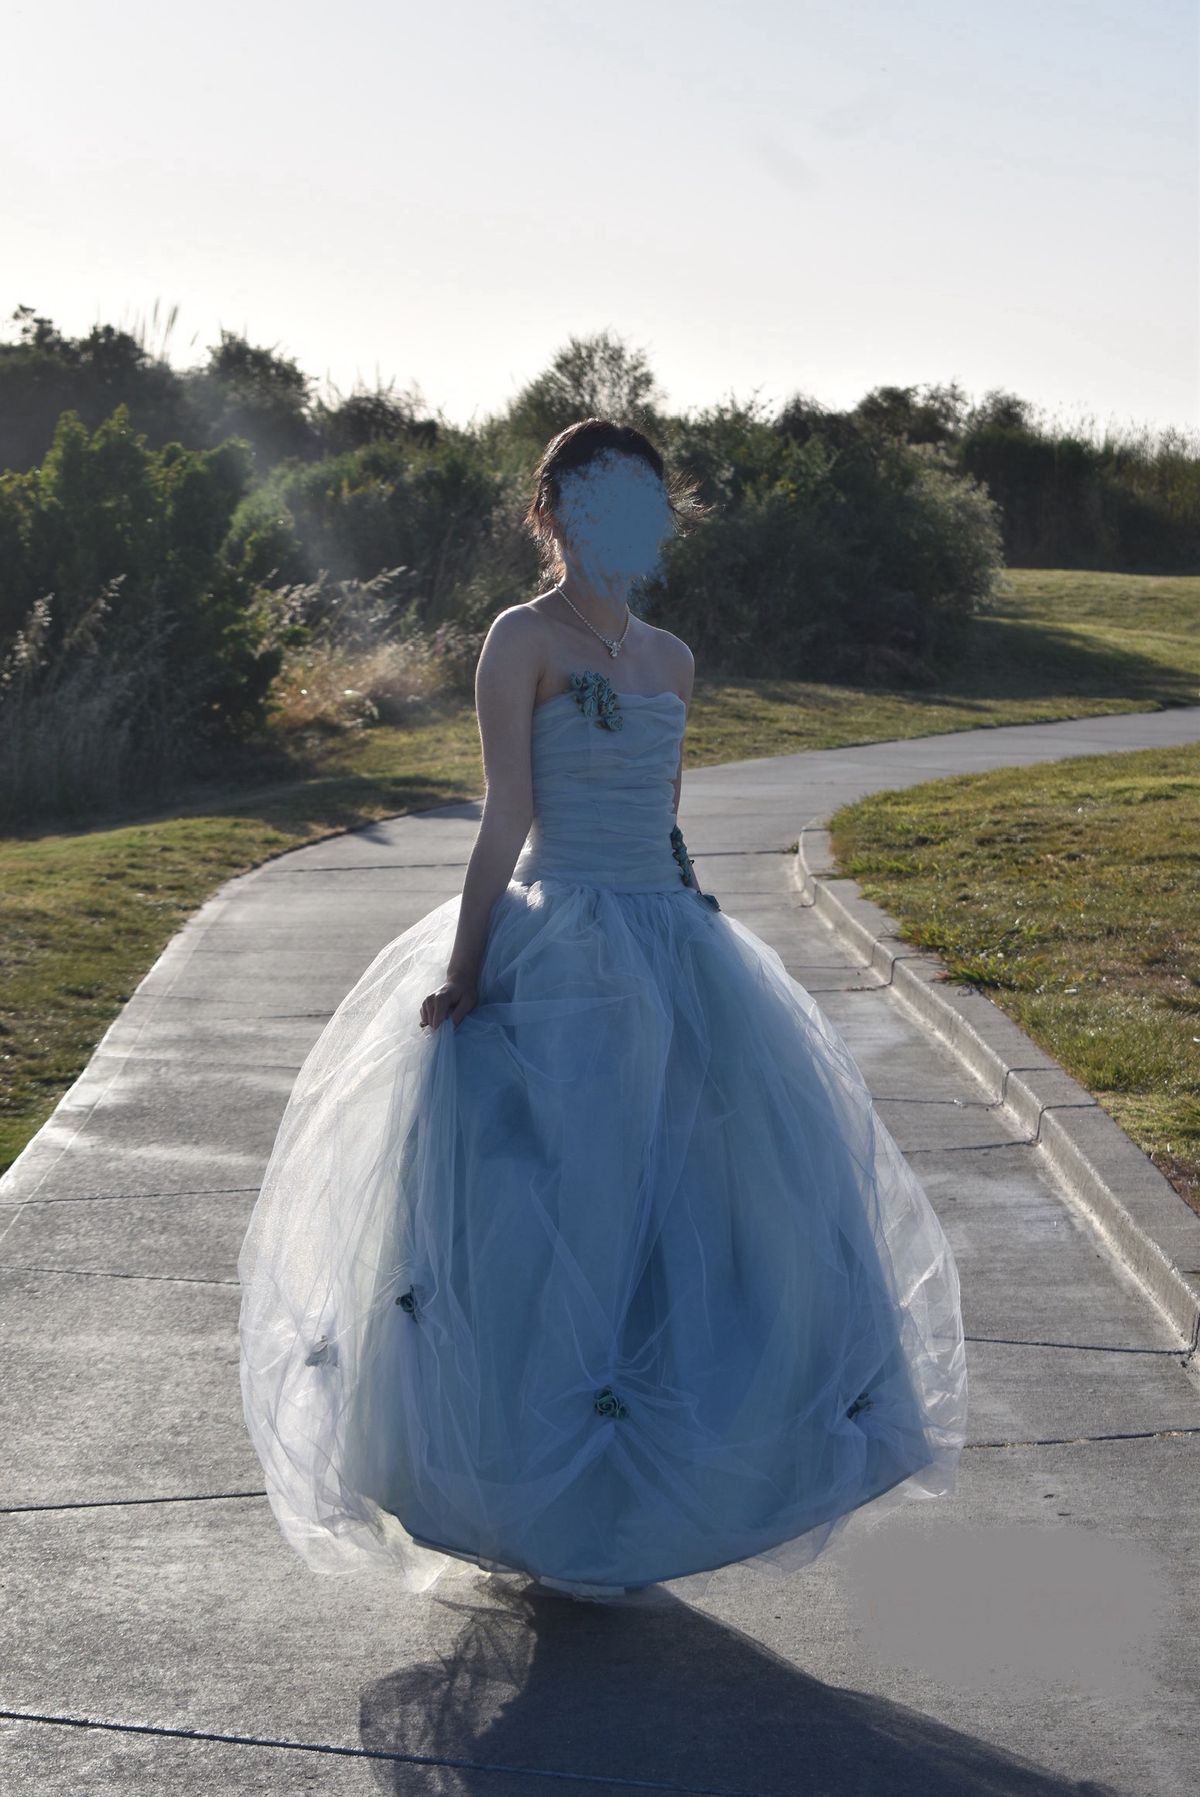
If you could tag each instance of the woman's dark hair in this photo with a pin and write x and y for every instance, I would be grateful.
(575, 447)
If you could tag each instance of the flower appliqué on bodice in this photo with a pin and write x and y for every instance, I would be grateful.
(597, 699)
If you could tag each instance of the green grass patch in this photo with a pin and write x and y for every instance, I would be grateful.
(86, 909)
(1069, 893)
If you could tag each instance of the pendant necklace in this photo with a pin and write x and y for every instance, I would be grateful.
(611, 643)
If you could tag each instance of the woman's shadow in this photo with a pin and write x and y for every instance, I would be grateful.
(540, 1692)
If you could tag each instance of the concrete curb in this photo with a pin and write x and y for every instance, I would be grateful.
(1135, 1209)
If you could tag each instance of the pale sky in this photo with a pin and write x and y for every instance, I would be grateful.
(805, 196)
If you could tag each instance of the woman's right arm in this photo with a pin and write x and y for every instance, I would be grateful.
(506, 678)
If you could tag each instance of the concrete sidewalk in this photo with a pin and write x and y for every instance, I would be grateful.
(1034, 1634)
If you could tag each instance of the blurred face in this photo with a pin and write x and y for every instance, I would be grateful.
(613, 519)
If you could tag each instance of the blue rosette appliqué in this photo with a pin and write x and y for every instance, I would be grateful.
(679, 850)
(597, 700)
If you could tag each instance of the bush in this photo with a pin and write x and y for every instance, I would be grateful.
(104, 509)
(380, 506)
(130, 649)
(831, 553)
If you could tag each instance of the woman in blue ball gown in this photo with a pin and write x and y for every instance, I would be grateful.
(582, 1254)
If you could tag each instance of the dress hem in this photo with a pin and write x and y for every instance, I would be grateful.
(590, 1587)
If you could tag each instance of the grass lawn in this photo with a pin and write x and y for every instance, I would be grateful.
(86, 909)
(1069, 893)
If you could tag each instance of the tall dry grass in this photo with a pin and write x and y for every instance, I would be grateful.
(353, 656)
(86, 717)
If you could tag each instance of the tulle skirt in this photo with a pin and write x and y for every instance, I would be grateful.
(617, 1281)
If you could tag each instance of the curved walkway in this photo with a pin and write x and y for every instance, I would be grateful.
(1028, 1635)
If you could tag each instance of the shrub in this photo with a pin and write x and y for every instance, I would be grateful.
(104, 513)
(831, 553)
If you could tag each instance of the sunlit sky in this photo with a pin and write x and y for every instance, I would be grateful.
(765, 199)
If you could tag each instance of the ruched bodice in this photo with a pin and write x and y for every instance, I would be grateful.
(604, 799)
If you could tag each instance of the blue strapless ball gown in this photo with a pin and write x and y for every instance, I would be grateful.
(620, 1280)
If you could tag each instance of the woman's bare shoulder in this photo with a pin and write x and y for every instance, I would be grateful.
(676, 653)
(513, 653)
(524, 615)
(517, 626)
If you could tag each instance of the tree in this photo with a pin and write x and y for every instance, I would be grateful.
(246, 391)
(919, 414)
(45, 374)
(592, 377)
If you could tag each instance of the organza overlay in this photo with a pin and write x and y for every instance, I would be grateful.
(618, 1281)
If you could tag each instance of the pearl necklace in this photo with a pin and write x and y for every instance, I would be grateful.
(611, 643)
